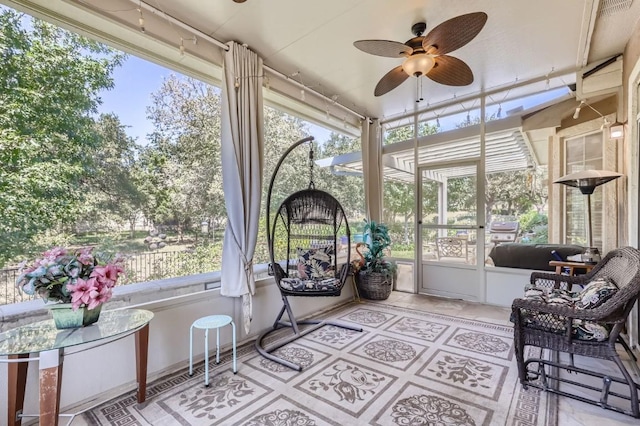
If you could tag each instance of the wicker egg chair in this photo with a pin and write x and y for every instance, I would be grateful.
(309, 230)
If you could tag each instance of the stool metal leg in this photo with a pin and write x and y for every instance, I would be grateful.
(218, 345)
(235, 368)
(206, 357)
(191, 351)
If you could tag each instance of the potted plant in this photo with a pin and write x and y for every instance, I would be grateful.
(79, 281)
(374, 274)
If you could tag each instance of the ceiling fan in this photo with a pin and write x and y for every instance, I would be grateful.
(427, 55)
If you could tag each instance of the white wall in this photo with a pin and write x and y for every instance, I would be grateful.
(505, 284)
(96, 375)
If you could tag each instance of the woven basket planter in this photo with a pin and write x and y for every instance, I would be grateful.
(374, 285)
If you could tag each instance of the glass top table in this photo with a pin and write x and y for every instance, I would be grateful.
(43, 335)
(42, 342)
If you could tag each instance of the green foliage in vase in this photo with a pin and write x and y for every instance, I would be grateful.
(377, 240)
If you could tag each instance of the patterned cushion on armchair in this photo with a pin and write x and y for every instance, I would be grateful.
(593, 295)
(596, 293)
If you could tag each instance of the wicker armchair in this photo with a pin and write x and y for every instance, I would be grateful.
(553, 326)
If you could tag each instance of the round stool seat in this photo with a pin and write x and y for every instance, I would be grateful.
(212, 321)
(207, 323)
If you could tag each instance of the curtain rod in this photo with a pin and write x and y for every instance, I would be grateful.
(223, 46)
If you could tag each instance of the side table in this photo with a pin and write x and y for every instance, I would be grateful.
(48, 344)
(571, 266)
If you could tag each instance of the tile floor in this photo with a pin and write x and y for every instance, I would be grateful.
(571, 412)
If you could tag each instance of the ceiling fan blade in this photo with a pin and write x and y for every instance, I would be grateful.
(450, 71)
(454, 33)
(390, 81)
(386, 48)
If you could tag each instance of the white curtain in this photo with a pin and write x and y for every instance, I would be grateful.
(372, 168)
(242, 159)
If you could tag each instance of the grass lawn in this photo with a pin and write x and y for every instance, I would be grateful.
(403, 254)
(123, 242)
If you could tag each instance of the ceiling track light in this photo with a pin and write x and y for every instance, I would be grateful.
(141, 21)
(578, 108)
(616, 130)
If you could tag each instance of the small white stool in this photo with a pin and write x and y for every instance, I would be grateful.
(207, 323)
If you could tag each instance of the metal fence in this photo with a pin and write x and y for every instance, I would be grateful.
(8, 291)
(138, 267)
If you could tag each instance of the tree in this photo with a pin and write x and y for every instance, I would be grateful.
(50, 82)
(184, 169)
(399, 197)
(509, 193)
(181, 170)
(400, 201)
(113, 196)
(347, 188)
(282, 130)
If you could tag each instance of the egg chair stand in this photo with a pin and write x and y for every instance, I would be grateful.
(309, 230)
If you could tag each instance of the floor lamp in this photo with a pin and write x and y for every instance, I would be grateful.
(587, 181)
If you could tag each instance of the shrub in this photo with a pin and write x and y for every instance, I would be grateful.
(532, 219)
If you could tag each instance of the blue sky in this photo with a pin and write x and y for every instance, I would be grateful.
(135, 81)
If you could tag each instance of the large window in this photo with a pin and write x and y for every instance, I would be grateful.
(107, 150)
(583, 153)
(515, 181)
(281, 131)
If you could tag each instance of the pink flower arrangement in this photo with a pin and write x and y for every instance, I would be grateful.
(78, 277)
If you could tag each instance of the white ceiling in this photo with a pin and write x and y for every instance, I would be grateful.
(521, 40)
(542, 42)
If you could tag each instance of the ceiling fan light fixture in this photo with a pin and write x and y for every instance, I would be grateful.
(428, 55)
(418, 64)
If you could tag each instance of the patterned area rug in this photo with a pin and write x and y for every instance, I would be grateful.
(406, 368)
